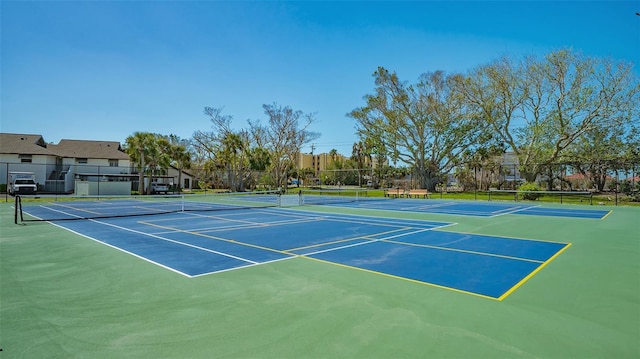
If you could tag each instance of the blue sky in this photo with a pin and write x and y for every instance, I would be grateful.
(101, 70)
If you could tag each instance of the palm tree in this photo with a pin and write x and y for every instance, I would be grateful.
(139, 147)
(158, 158)
(334, 154)
(231, 156)
(359, 154)
(180, 156)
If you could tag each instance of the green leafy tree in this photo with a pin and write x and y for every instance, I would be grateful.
(540, 107)
(159, 158)
(426, 125)
(605, 149)
(141, 147)
(179, 155)
(362, 157)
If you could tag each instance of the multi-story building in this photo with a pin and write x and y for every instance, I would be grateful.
(318, 163)
(73, 166)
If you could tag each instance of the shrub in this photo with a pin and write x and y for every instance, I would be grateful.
(529, 186)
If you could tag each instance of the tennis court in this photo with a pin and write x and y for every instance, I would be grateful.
(463, 208)
(248, 279)
(221, 238)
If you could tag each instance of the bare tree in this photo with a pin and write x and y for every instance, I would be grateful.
(224, 149)
(539, 107)
(285, 133)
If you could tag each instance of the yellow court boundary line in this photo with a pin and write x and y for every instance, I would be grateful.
(331, 215)
(401, 278)
(501, 236)
(606, 215)
(216, 238)
(289, 252)
(461, 251)
(366, 237)
(64, 205)
(530, 275)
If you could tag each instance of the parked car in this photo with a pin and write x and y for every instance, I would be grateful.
(159, 188)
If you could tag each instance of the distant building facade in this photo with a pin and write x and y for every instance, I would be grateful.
(318, 163)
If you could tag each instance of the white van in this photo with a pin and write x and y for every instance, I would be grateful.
(22, 183)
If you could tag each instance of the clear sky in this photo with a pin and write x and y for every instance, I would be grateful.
(101, 70)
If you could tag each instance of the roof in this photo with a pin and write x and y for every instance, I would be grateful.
(89, 149)
(23, 144)
(184, 170)
(33, 144)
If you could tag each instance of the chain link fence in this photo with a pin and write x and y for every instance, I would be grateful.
(614, 179)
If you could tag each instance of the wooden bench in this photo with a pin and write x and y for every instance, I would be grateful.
(394, 192)
(417, 193)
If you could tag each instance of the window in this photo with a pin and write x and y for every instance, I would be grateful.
(25, 158)
(81, 160)
(113, 163)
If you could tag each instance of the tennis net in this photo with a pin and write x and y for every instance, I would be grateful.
(335, 196)
(88, 207)
(579, 197)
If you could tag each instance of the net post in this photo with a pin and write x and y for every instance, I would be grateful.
(17, 212)
(300, 200)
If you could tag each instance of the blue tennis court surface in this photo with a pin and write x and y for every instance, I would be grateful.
(475, 208)
(200, 243)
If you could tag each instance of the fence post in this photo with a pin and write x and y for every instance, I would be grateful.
(475, 182)
(617, 185)
(6, 192)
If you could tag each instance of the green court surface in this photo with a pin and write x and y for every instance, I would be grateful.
(63, 295)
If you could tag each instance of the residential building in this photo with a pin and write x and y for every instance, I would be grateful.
(82, 167)
(25, 153)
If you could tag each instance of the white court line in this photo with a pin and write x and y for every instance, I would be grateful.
(61, 211)
(429, 206)
(230, 227)
(439, 208)
(366, 242)
(157, 237)
(399, 222)
(514, 211)
(121, 249)
(245, 266)
(178, 242)
(289, 255)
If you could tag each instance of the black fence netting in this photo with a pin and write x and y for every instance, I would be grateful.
(86, 179)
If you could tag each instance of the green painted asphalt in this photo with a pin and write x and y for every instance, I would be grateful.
(63, 295)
